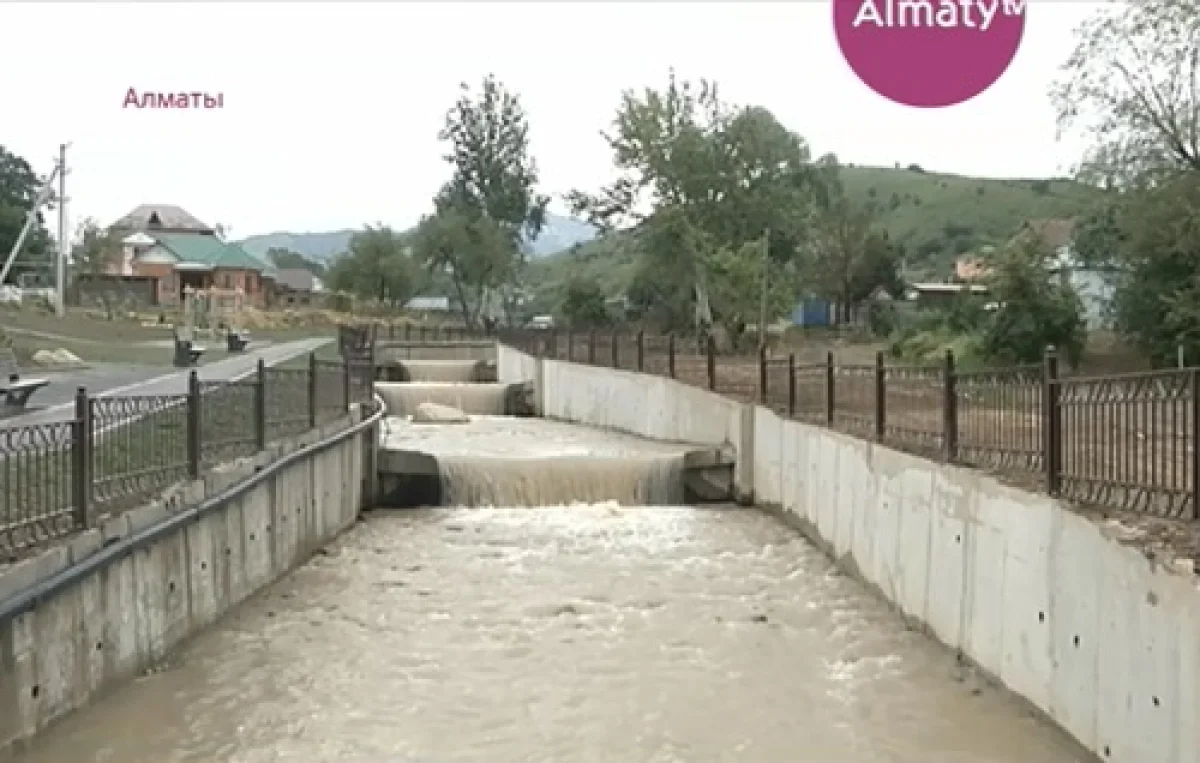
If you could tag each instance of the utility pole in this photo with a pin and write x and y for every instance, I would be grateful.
(762, 306)
(64, 236)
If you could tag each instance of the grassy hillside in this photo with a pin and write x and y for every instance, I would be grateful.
(936, 217)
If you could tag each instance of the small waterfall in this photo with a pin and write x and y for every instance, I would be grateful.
(632, 480)
(402, 398)
(442, 370)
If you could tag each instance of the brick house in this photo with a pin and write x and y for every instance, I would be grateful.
(166, 243)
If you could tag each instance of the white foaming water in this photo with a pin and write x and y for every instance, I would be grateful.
(504, 461)
(402, 398)
(442, 370)
(635, 479)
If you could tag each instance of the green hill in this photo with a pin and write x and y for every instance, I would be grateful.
(937, 217)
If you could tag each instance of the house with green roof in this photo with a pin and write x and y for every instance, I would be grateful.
(201, 261)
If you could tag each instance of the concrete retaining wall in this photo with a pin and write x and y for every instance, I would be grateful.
(132, 613)
(1101, 639)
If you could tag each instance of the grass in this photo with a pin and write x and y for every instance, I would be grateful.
(935, 216)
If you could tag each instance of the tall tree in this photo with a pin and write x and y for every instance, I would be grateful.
(697, 176)
(377, 266)
(849, 256)
(495, 177)
(1131, 86)
(19, 187)
(95, 249)
(472, 250)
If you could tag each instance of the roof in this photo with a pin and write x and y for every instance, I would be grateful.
(138, 239)
(429, 303)
(971, 268)
(296, 279)
(203, 249)
(1055, 233)
(149, 217)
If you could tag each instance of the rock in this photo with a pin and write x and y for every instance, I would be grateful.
(55, 358)
(433, 413)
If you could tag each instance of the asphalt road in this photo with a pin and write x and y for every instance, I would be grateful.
(56, 401)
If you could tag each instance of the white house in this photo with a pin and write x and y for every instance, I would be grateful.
(1094, 285)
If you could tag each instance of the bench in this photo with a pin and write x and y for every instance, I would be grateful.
(15, 390)
(186, 353)
(236, 341)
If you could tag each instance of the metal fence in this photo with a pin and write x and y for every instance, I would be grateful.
(1126, 441)
(117, 451)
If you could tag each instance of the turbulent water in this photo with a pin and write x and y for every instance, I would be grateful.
(587, 634)
(504, 461)
(402, 398)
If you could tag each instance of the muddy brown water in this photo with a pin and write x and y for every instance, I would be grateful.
(588, 633)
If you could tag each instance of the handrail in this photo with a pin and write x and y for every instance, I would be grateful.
(29, 599)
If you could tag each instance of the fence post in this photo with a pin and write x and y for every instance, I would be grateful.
(949, 408)
(260, 405)
(762, 373)
(193, 426)
(671, 355)
(710, 348)
(552, 345)
(391, 331)
(614, 338)
(641, 350)
(1194, 378)
(81, 459)
(312, 390)
(408, 332)
(570, 345)
(880, 397)
(346, 378)
(1051, 422)
(591, 356)
(831, 394)
(792, 385)
(424, 331)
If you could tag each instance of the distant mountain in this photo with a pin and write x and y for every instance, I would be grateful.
(559, 233)
(319, 247)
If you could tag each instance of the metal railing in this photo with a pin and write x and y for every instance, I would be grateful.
(1125, 441)
(115, 452)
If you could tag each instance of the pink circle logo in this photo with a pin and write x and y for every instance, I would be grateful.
(929, 53)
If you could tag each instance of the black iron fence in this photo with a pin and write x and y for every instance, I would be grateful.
(1126, 441)
(117, 451)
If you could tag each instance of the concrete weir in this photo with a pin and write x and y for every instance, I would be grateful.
(504, 461)
(1049, 603)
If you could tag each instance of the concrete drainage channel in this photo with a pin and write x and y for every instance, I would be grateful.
(455, 436)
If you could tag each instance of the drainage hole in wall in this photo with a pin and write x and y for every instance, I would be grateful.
(35, 691)
(99, 646)
(1107, 752)
(204, 565)
(1155, 700)
(228, 551)
(251, 536)
(1041, 617)
(171, 587)
(958, 539)
(1076, 640)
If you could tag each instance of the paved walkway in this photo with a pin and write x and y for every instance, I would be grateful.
(56, 401)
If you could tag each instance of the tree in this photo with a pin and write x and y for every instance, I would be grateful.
(377, 266)
(289, 260)
(584, 304)
(1159, 259)
(96, 250)
(19, 188)
(495, 179)
(850, 258)
(1131, 86)
(1034, 310)
(472, 250)
(696, 176)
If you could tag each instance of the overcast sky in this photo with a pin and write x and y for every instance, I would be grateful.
(332, 110)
